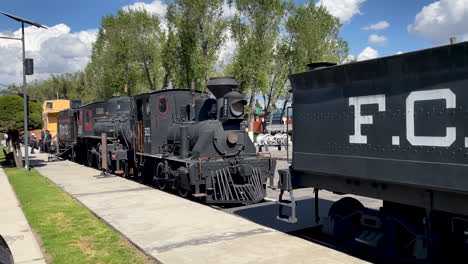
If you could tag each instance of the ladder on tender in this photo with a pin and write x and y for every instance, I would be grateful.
(285, 184)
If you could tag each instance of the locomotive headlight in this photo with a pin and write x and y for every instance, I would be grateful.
(232, 138)
(237, 108)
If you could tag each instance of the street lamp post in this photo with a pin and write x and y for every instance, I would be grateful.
(25, 91)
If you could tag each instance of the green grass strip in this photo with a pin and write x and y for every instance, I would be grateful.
(69, 232)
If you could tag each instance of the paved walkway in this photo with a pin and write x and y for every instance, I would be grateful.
(175, 230)
(15, 228)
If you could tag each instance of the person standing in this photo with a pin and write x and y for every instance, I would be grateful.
(42, 143)
(47, 140)
(7, 142)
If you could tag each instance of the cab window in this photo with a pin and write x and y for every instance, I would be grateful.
(162, 105)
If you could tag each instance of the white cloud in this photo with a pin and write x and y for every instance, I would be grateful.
(226, 51)
(55, 50)
(399, 52)
(378, 26)
(441, 20)
(377, 40)
(229, 10)
(156, 7)
(349, 58)
(342, 9)
(367, 54)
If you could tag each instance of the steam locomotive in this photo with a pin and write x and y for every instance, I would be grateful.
(176, 139)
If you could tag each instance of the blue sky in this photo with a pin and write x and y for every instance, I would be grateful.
(398, 13)
(405, 25)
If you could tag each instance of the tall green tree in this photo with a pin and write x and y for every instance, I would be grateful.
(199, 29)
(61, 86)
(311, 36)
(127, 53)
(279, 69)
(169, 57)
(11, 121)
(256, 29)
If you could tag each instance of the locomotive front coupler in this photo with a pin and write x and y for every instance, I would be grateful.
(233, 164)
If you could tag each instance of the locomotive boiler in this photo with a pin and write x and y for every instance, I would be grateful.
(394, 129)
(176, 139)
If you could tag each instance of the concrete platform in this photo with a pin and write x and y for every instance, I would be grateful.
(176, 230)
(15, 228)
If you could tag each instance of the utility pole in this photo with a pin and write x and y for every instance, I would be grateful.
(27, 70)
(25, 105)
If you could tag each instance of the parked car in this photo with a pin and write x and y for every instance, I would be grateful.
(5, 254)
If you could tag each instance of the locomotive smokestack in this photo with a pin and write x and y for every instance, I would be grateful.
(220, 86)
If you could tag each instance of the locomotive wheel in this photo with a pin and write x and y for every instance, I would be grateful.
(345, 207)
(158, 179)
(183, 192)
(161, 184)
(345, 211)
(89, 159)
(124, 168)
(141, 174)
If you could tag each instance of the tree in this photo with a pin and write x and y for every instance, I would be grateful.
(11, 121)
(127, 53)
(311, 36)
(169, 60)
(196, 32)
(280, 68)
(256, 28)
(63, 86)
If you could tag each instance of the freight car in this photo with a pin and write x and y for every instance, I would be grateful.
(394, 129)
(176, 139)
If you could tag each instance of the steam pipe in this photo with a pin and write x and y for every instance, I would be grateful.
(184, 142)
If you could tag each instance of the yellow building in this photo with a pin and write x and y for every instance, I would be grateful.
(50, 112)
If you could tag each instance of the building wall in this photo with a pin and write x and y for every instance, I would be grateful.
(50, 112)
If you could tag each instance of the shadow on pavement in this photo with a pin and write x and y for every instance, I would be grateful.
(36, 162)
(265, 214)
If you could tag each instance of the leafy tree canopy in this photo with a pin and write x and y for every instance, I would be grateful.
(145, 52)
(11, 113)
(127, 53)
(199, 29)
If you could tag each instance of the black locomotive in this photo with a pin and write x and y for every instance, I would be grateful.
(175, 139)
(393, 129)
